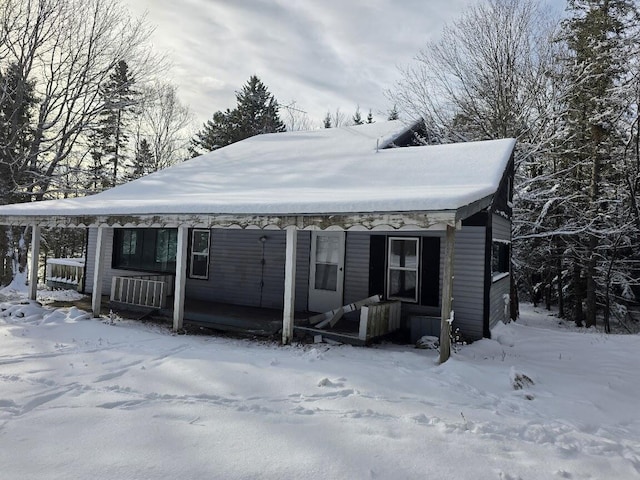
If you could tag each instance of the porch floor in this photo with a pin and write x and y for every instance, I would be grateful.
(238, 319)
(257, 321)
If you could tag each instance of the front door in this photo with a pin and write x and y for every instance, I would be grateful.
(326, 275)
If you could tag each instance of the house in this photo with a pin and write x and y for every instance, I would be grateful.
(308, 221)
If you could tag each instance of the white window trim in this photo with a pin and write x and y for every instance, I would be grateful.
(407, 269)
(199, 254)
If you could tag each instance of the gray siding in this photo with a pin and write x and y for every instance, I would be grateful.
(499, 289)
(236, 271)
(235, 268)
(501, 227)
(468, 281)
(356, 275)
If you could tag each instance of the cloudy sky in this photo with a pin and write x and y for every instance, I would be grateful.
(323, 55)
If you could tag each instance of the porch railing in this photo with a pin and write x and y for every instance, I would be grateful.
(379, 319)
(144, 290)
(65, 272)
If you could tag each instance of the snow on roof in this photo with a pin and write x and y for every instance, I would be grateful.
(337, 170)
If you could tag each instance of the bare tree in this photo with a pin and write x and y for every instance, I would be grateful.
(296, 118)
(483, 77)
(66, 49)
(165, 124)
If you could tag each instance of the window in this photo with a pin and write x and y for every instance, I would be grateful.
(402, 269)
(500, 258)
(327, 261)
(199, 265)
(145, 249)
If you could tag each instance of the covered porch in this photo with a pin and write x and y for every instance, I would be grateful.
(287, 320)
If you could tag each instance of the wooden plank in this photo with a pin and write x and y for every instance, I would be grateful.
(33, 267)
(181, 277)
(364, 319)
(447, 295)
(340, 337)
(289, 286)
(333, 316)
(96, 298)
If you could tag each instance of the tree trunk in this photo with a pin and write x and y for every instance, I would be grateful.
(578, 294)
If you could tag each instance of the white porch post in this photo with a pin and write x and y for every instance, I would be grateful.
(447, 295)
(181, 277)
(98, 268)
(33, 266)
(289, 286)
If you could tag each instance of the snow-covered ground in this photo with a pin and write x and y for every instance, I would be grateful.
(80, 398)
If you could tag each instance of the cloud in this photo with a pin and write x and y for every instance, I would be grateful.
(324, 55)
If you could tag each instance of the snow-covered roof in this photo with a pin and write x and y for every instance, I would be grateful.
(329, 171)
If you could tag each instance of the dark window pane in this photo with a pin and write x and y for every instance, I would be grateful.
(326, 277)
(200, 241)
(166, 246)
(199, 265)
(402, 284)
(404, 253)
(145, 249)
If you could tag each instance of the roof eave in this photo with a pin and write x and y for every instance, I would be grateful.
(414, 220)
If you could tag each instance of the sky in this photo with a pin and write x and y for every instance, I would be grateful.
(321, 55)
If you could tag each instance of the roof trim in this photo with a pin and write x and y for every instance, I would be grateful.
(357, 221)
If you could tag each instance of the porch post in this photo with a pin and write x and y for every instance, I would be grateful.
(447, 298)
(181, 277)
(33, 266)
(289, 286)
(98, 267)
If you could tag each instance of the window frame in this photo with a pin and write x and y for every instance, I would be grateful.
(193, 254)
(500, 259)
(390, 268)
(141, 240)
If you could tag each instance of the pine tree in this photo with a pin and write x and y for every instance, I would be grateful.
(393, 113)
(357, 118)
(17, 100)
(327, 120)
(596, 36)
(119, 99)
(256, 112)
(370, 117)
(143, 162)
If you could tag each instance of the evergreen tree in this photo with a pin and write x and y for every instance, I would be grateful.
(143, 162)
(119, 99)
(357, 118)
(370, 117)
(256, 112)
(393, 113)
(327, 120)
(596, 34)
(17, 100)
